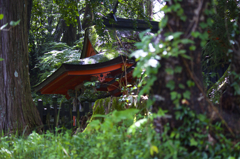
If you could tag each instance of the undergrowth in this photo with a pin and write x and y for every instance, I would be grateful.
(126, 134)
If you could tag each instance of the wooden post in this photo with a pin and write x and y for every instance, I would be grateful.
(86, 107)
(63, 115)
(71, 116)
(77, 120)
(54, 100)
(74, 111)
(40, 108)
(48, 116)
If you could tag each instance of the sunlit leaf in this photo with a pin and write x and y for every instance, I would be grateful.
(193, 142)
(139, 53)
(1, 16)
(173, 95)
(2, 27)
(153, 149)
(14, 23)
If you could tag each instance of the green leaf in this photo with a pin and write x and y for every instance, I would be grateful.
(183, 18)
(187, 41)
(204, 36)
(176, 102)
(190, 83)
(203, 25)
(171, 85)
(203, 43)
(193, 142)
(169, 71)
(163, 22)
(181, 86)
(177, 34)
(141, 35)
(186, 56)
(201, 117)
(187, 94)
(1, 16)
(192, 48)
(14, 23)
(124, 114)
(1, 59)
(153, 149)
(195, 34)
(132, 129)
(173, 95)
(161, 112)
(178, 69)
(210, 21)
(172, 134)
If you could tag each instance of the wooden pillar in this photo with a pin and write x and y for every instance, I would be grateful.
(77, 120)
(74, 112)
(40, 108)
(65, 114)
(48, 116)
(86, 107)
(71, 115)
(54, 100)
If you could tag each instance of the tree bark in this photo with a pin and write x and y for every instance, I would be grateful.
(88, 16)
(191, 69)
(17, 110)
(149, 7)
(230, 100)
(70, 34)
(229, 110)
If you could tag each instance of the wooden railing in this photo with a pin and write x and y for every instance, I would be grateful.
(57, 115)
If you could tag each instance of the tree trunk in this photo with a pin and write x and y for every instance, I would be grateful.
(191, 69)
(149, 7)
(70, 34)
(88, 16)
(17, 110)
(230, 100)
(59, 30)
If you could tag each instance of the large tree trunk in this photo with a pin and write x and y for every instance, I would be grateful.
(191, 69)
(17, 110)
(230, 100)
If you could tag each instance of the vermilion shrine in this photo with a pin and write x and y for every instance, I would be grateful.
(109, 66)
(70, 76)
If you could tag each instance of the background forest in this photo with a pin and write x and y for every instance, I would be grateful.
(189, 71)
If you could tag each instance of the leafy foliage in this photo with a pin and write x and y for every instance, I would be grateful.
(217, 52)
(120, 137)
(125, 133)
(57, 53)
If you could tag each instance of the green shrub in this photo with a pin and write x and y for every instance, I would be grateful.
(120, 137)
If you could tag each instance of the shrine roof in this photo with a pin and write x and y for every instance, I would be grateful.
(131, 24)
(97, 57)
(121, 36)
(68, 76)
